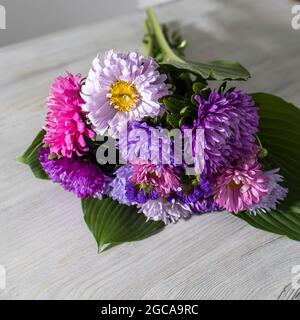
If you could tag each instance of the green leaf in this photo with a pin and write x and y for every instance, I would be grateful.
(112, 223)
(188, 111)
(174, 104)
(280, 135)
(31, 156)
(173, 120)
(199, 86)
(186, 121)
(214, 70)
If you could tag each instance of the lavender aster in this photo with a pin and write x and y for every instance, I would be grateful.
(122, 87)
(275, 194)
(80, 176)
(229, 121)
(168, 212)
(118, 185)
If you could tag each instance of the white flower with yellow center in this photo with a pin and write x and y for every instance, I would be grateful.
(122, 87)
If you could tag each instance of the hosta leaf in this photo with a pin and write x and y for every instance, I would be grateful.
(112, 223)
(31, 156)
(280, 135)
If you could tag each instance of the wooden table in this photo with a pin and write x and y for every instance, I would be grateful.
(45, 245)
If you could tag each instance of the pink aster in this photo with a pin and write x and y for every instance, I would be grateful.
(241, 186)
(161, 177)
(65, 127)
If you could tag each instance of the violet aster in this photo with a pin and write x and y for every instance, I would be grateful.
(204, 205)
(122, 87)
(138, 194)
(229, 121)
(117, 187)
(65, 127)
(198, 195)
(78, 175)
(167, 211)
(239, 187)
(275, 194)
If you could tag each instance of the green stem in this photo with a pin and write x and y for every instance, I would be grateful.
(263, 151)
(161, 40)
(259, 142)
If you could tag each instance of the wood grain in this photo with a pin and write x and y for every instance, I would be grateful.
(45, 246)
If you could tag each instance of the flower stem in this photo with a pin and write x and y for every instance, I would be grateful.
(160, 38)
(263, 151)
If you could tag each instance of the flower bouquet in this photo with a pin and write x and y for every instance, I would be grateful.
(147, 140)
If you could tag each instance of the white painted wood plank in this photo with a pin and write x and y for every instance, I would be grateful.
(45, 246)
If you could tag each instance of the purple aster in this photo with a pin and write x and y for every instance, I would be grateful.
(118, 185)
(135, 194)
(77, 175)
(204, 205)
(229, 121)
(122, 87)
(167, 211)
(275, 194)
(198, 197)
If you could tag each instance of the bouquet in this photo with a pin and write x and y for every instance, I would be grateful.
(146, 140)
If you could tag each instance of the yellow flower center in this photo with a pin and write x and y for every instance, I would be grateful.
(123, 95)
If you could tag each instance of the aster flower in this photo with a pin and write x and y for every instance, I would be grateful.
(198, 196)
(229, 121)
(122, 87)
(65, 128)
(77, 175)
(160, 178)
(138, 194)
(204, 205)
(276, 193)
(239, 187)
(117, 187)
(167, 211)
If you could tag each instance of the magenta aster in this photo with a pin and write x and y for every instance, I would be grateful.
(239, 187)
(122, 87)
(161, 178)
(65, 128)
